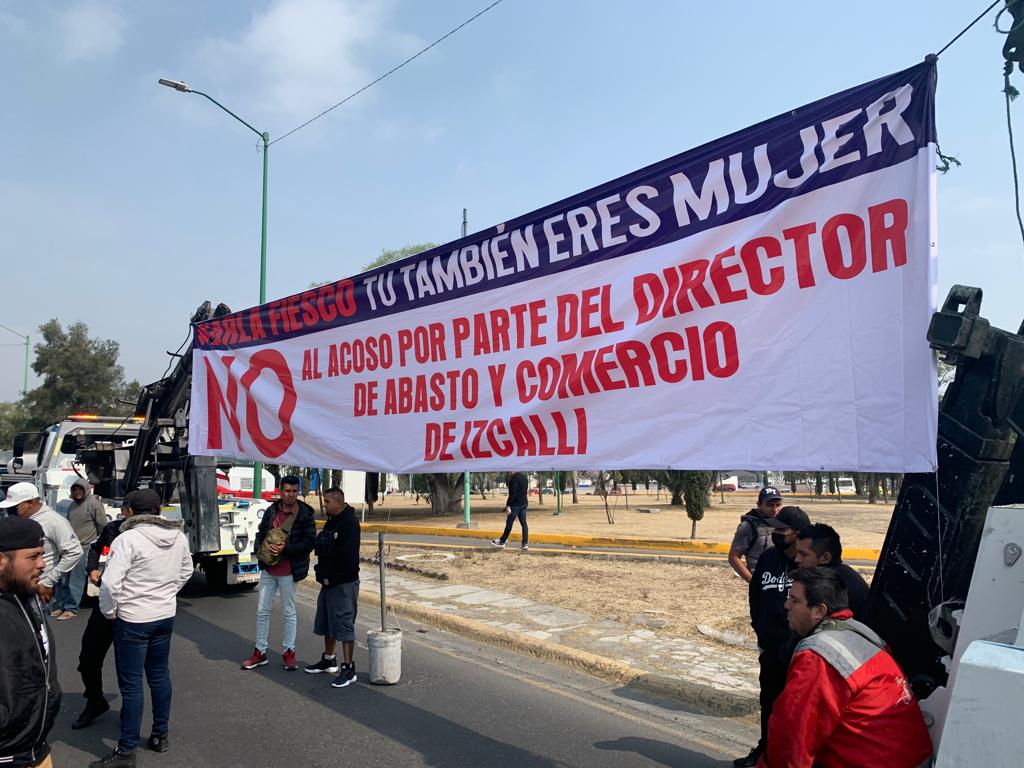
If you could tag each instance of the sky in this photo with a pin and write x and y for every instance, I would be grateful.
(124, 204)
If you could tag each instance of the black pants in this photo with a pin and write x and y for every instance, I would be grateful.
(772, 678)
(96, 641)
(518, 511)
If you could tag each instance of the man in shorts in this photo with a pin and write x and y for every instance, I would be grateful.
(337, 572)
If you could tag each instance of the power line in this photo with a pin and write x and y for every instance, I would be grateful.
(389, 72)
(979, 17)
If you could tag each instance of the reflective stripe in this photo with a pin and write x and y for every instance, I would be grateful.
(844, 646)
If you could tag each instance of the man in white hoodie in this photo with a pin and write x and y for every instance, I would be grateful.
(149, 562)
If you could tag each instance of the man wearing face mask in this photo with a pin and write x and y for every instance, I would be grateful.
(769, 587)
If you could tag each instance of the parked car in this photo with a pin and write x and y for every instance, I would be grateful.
(725, 487)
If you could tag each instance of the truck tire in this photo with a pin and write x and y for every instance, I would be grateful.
(216, 570)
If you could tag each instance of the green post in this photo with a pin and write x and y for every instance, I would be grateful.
(24, 390)
(257, 468)
(558, 493)
(465, 500)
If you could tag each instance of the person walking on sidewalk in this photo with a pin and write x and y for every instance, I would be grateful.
(29, 693)
(149, 562)
(61, 548)
(99, 631)
(337, 571)
(515, 508)
(87, 516)
(768, 591)
(754, 535)
(286, 536)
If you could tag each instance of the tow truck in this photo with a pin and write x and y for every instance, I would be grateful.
(149, 449)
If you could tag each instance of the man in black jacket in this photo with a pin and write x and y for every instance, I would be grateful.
(768, 590)
(29, 692)
(290, 565)
(820, 545)
(99, 631)
(337, 571)
(515, 507)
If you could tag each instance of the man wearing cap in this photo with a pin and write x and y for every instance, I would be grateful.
(87, 516)
(99, 632)
(61, 548)
(768, 590)
(753, 536)
(149, 562)
(29, 692)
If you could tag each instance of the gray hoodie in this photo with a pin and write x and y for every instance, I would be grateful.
(87, 516)
(149, 562)
(61, 548)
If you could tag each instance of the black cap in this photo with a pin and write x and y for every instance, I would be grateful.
(789, 517)
(768, 493)
(19, 533)
(144, 501)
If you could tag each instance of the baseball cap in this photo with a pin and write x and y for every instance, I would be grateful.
(19, 533)
(768, 493)
(789, 517)
(144, 501)
(18, 493)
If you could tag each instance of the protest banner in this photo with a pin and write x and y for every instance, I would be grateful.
(761, 301)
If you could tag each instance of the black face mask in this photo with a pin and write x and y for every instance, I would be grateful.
(779, 540)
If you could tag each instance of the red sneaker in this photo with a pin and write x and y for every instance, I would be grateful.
(290, 664)
(258, 659)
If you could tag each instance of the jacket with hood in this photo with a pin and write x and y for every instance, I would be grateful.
(88, 516)
(301, 537)
(29, 692)
(149, 562)
(61, 548)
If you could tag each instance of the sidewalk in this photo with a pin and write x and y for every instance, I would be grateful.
(708, 678)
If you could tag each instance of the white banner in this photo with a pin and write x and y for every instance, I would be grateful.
(759, 302)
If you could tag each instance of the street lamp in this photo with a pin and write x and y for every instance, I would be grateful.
(24, 390)
(178, 85)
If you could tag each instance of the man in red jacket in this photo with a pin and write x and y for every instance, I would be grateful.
(846, 703)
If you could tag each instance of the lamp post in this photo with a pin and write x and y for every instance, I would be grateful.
(257, 468)
(24, 388)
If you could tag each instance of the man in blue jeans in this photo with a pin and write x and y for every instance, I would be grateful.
(149, 562)
(282, 565)
(515, 508)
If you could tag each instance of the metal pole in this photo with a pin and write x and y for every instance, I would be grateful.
(257, 468)
(24, 390)
(465, 498)
(558, 493)
(721, 490)
(383, 596)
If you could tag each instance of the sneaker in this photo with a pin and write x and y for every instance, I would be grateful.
(498, 543)
(258, 659)
(750, 760)
(290, 664)
(93, 709)
(526, 547)
(158, 743)
(324, 665)
(346, 677)
(56, 614)
(66, 615)
(115, 760)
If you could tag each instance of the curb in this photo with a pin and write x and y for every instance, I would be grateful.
(571, 540)
(696, 697)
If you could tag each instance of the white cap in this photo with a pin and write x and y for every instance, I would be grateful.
(18, 493)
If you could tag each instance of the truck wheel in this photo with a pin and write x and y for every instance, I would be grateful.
(216, 574)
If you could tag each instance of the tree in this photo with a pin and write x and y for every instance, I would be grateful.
(674, 481)
(396, 254)
(697, 494)
(13, 418)
(79, 374)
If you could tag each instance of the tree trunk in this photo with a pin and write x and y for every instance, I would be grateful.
(885, 488)
(693, 529)
(575, 498)
(858, 482)
(872, 488)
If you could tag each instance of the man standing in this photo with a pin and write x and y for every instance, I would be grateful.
(99, 632)
(29, 693)
(87, 516)
(283, 564)
(819, 545)
(61, 548)
(149, 562)
(515, 507)
(767, 591)
(753, 536)
(846, 703)
(337, 571)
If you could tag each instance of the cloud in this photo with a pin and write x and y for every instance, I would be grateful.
(300, 56)
(90, 30)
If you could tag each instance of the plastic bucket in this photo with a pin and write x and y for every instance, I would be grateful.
(385, 655)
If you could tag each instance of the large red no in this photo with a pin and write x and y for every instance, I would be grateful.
(216, 404)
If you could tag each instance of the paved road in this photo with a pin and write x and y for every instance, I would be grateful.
(458, 704)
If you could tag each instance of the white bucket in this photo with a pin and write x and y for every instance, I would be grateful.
(385, 655)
